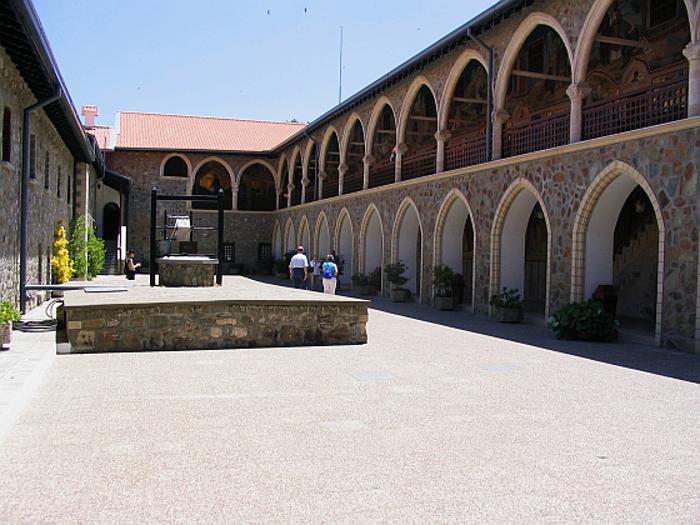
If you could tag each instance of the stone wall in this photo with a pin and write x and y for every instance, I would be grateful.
(181, 326)
(46, 207)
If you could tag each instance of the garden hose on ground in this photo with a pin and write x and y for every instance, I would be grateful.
(45, 325)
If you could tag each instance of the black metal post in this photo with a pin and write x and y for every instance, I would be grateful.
(152, 255)
(220, 240)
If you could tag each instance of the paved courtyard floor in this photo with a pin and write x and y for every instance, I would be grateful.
(435, 420)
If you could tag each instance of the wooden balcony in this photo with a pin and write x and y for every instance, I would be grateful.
(419, 164)
(463, 150)
(381, 174)
(536, 134)
(352, 181)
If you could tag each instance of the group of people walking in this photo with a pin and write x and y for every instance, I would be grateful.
(306, 275)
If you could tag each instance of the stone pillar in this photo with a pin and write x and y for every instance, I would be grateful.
(398, 155)
(576, 92)
(234, 197)
(322, 176)
(342, 170)
(366, 164)
(499, 117)
(304, 184)
(441, 137)
(277, 198)
(692, 53)
(290, 187)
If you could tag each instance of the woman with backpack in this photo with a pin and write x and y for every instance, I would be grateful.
(329, 271)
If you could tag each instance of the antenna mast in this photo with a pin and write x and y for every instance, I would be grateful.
(340, 79)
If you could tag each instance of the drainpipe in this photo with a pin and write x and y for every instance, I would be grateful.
(24, 201)
(489, 94)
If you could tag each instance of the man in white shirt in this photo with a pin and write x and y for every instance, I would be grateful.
(299, 269)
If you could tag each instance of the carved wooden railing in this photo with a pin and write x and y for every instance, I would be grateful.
(353, 181)
(419, 164)
(381, 174)
(654, 105)
(465, 150)
(536, 134)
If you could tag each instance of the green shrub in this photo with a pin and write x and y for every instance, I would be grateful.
(96, 253)
(584, 321)
(77, 246)
(443, 278)
(508, 298)
(8, 312)
(394, 274)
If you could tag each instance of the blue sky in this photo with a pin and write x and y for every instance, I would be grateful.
(264, 59)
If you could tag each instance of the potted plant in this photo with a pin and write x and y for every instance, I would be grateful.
(507, 306)
(394, 274)
(375, 279)
(361, 284)
(587, 321)
(8, 314)
(443, 277)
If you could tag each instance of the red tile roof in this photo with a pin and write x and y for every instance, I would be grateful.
(102, 134)
(184, 132)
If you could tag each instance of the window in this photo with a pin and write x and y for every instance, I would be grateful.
(229, 252)
(264, 252)
(175, 167)
(7, 135)
(47, 166)
(58, 182)
(32, 157)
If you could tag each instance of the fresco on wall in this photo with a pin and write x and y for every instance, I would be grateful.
(209, 179)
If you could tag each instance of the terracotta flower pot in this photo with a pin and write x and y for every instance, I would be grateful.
(443, 303)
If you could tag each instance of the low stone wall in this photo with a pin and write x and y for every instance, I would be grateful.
(182, 273)
(188, 326)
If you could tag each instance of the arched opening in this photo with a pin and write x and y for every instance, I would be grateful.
(323, 242)
(536, 100)
(277, 248)
(330, 166)
(622, 246)
(305, 236)
(345, 249)
(524, 249)
(284, 186)
(111, 222)
(209, 179)
(383, 143)
(373, 248)
(7, 135)
(290, 241)
(457, 245)
(354, 158)
(421, 126)
(176, 167)
(312, 174)
(636, 70)
(256, 190)
(296, 178)
(409, 248)
(467, 118)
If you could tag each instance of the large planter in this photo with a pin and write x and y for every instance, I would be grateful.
(508, 315)
(5, 333)
(443, 303)
(365, 289)
(400, 295)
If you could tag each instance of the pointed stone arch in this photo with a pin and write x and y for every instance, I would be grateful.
(250, 163)
(451, 83)
(281, 166)
(304, 234)
(184, 158)
(410, 251)
(322, 236)
(296, 189)
(330, 130)
(277, 241)
(347, 130)
(344, 241)
(451, 217)
(368, 259)
(597, 202)
(416, 85)
(374, 119)
(508, 238)
(290, 241)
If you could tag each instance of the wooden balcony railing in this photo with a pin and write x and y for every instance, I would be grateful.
(655, 105)
(465, 150)
(352, 182)
(330, 187)
(419, 164)
(544, 133)
(381, 174)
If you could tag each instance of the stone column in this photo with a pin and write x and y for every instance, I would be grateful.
(692, 53)
(342, 170)
(277, 198)
(304, 182)
(398, 155)
(290, 187)
(322, 176)
(441, 137)
(366, 164)
(499, 117)
(234, 197)
(576, 92)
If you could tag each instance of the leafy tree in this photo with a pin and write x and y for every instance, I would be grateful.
(96, 253)
(77, 247)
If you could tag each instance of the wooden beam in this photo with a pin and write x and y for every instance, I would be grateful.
(540, 76)
(469, 100)
(420, 117)
(357, 143)
(621, 42)
(386, 132)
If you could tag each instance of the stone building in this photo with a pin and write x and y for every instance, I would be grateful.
(62, 162)
(546, 146)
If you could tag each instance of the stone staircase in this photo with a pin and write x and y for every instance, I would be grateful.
(111, 266)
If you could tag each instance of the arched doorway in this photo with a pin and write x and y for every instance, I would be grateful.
(290, 241)
(208, 180)
(373, 242)
(455, 241)
(620, 230)
(409, 246)
(277, 241)
(111, 222)
(419, 136)
(522, 240)
(305, 236)
(256, 190)
(382, 169)
(345, 243)
(323, 239)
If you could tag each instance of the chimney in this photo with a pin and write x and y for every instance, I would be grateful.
(89, 112)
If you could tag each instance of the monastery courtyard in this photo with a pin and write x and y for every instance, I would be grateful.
(442, 417)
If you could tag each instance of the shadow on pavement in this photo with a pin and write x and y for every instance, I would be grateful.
(634, 351)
